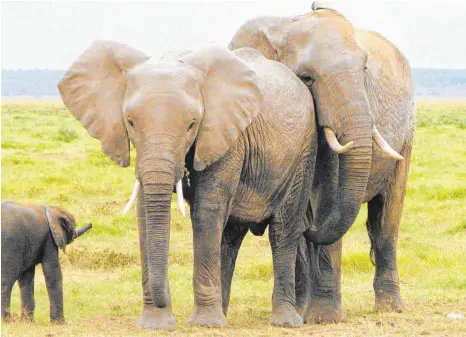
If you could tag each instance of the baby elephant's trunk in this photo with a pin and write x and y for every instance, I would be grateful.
(82, 230)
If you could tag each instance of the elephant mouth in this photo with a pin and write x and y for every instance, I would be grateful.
(137, 187)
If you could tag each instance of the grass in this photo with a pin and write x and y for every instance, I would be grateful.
(47, 157)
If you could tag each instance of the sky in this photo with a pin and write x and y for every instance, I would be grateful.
(52, 35)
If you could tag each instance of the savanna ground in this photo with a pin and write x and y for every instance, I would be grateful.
(47, 157)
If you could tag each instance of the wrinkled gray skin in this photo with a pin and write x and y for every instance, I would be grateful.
(358, 80)
(30, 238)
(244, 129)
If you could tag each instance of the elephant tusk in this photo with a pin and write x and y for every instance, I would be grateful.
(136, 188)
(382, 143)
(333, 142)
(179, 193)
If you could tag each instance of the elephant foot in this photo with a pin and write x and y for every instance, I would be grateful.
(156, 318)
(27, 318)
(386, 302)
(58, 320)
(7, 317)
(288, 319)
(318, 312)
(208, 317)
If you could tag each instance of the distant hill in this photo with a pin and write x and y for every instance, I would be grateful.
(30, 83)
(442, 83)
(39, 83)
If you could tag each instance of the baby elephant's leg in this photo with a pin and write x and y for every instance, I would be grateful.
(7, 285)
(53, 281)
(26, 287)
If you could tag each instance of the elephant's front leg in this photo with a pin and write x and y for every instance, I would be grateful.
(151, 316)
(284, 241)
(325, 301)
(383, 223)
(233, 236)
(53, 281)
(208, 218)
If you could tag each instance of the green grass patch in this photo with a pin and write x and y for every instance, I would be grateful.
(48, 158)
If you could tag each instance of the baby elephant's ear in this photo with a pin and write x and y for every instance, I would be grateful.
(61, 225)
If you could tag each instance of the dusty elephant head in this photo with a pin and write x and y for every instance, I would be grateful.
(202, 100)
(322, 49)
(62, 225)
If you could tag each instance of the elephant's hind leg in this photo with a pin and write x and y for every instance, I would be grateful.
(233, 236)
(384, 215)
(325, 301)
(26, 287)
(303, 277)
(7, 286)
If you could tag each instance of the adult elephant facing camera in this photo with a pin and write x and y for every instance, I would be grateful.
(244, 128)
(362, 87)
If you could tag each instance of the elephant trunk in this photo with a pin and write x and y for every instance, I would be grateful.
(82, 230)
(157, 191)
(343, 106)
(353, 175)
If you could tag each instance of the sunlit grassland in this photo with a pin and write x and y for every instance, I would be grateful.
(48, 158)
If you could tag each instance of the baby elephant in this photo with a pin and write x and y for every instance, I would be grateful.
(32, 235)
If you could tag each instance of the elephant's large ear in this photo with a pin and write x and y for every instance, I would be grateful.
(61, 225)
(254, 34)
(93, 89)
(232, 99)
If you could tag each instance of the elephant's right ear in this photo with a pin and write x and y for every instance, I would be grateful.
(93, 89)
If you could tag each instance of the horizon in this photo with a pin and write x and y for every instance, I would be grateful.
(51, 35)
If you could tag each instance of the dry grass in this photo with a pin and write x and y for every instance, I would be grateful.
(47, 157)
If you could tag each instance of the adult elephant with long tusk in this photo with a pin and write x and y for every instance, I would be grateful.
(243, 127)
(137, 187)
(362, 88)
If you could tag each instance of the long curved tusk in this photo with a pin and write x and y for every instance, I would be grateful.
(382, 143)
(179, 194)
(136, 188)
(333, 142)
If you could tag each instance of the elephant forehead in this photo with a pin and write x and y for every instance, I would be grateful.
(148, 83)
(170, 100)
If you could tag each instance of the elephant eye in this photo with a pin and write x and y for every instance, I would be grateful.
(191, 125)
(308, 80)
(130, 122)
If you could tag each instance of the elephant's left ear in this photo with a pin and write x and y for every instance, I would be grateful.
(232, 99)
(61, 226)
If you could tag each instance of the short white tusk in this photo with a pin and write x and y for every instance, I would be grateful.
(382, 143)
(179, 194)
(334, 143)
(136, 188)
